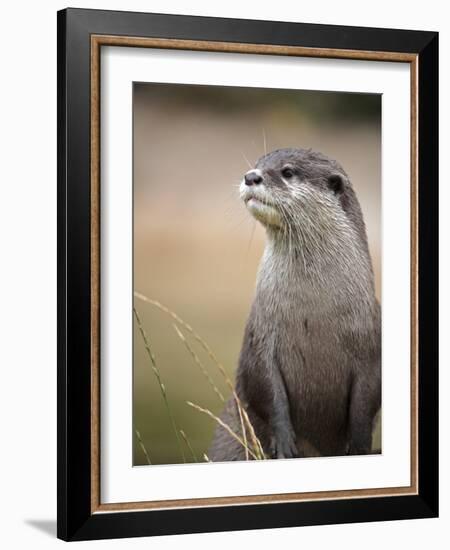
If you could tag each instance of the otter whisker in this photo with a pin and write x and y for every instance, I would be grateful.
(250, 239)
(246, 160)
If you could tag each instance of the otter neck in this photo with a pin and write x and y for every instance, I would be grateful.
(324, 265)
(316, 248)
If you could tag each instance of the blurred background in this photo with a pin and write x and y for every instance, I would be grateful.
(196, 249)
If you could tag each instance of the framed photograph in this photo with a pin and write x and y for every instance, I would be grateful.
(247, 287)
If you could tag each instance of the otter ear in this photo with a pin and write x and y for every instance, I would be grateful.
(336, 183)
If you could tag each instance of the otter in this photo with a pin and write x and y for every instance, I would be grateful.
(309, 371)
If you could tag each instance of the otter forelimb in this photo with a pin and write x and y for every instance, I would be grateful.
(283, 443)
(365, 401)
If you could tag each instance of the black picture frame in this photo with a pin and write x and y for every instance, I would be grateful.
(76, 521)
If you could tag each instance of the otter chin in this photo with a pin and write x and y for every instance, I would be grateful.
(263, 212)
(309, 372)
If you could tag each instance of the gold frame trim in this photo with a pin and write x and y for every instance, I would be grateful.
(97, 41)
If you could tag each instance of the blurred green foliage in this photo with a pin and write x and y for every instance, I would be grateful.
(315, 105)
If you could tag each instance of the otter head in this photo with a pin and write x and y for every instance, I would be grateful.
(296, 188)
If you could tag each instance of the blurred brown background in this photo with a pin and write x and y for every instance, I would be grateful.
(196, 249)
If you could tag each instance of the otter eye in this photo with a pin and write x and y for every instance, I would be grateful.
(287, 173)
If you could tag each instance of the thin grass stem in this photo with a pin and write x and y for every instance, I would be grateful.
(141, 443)
(188, 444)
(159, 379)
(199, 363)
(255, 440)
(224, 425)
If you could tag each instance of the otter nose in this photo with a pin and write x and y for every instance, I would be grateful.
(252, 178)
